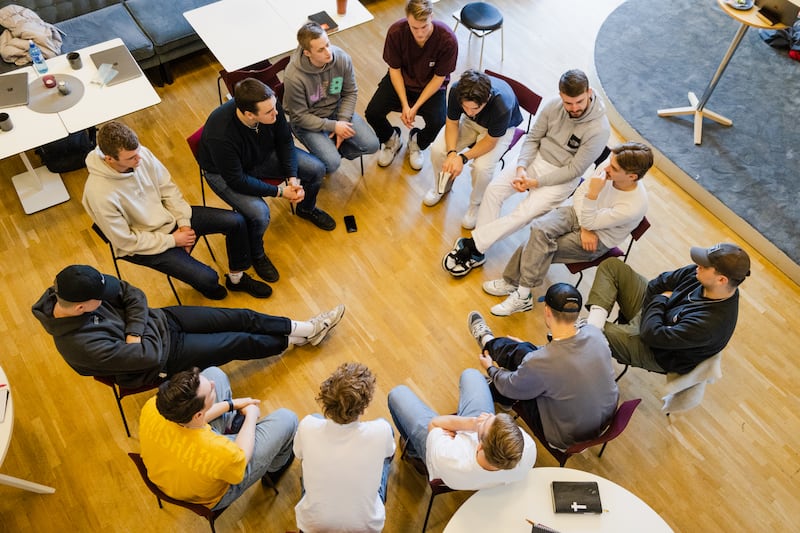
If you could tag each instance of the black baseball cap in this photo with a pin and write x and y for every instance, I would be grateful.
(563, 297)
(727, 259)
(81, 283)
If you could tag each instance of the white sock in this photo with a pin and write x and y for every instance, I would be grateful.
(235, 278)
(301, 329)
(597, 317)
(486, 338)
(524, 292)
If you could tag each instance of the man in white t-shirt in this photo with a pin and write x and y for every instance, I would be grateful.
(473, 449)
(345, 461)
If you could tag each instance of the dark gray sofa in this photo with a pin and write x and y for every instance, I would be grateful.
(155, 31)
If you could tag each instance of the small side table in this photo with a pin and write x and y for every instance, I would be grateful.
(696, 107)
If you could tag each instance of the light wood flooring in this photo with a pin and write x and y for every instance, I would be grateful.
(729, 465)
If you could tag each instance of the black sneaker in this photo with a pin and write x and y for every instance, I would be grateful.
(319, 218)
(218, 293)
(256, 289)
(265, 269)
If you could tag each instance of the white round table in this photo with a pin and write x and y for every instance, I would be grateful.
(6, 427)
(507, 507)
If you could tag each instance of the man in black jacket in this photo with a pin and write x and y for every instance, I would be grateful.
(677, 320)
(102, 326)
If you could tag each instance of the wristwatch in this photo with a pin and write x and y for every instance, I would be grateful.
(464, 159)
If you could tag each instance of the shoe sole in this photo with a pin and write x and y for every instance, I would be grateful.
(234, 288)
(332, 325)
(497, 293)
(474, 265)
(525, 309)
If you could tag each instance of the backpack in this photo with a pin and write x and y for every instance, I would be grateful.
(66, 155)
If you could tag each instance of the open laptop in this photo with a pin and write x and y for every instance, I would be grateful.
(123, 63)
(13, 89)
(779, 11)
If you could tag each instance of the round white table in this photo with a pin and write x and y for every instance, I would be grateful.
(6, 427)
(507, 507)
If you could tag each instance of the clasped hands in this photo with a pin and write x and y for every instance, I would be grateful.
(522, 182)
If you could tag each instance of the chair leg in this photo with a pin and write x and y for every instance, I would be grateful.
(210, 250)
(480, 61)
(602, 449)
(580, 278)
(160, 506)
(502, 45)
(211, 523)
(621, 374)
(174, 292)
(361, 159)
(121, 412)
(428, 513)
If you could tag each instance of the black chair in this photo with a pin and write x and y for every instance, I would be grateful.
(120, 392)
(196, 508)
(481, 19)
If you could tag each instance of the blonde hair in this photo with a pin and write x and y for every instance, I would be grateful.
(419, 9)
(503, 444)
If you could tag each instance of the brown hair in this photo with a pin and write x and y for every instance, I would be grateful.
(573, 83)
(307, 33)
(419, 9)
(347, 392)
(115, 136)
(503, 443)
(634, 158)
(474, 86)
(177, 398)
(249, 92)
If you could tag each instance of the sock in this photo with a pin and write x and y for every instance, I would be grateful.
(524, 292)
(301, 329)
(597, 317)
(235, 278)
(485, 339)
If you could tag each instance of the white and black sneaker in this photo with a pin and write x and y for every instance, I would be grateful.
(478, 327)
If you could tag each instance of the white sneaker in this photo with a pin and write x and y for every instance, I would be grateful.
(513, 304)
(470, 217)
(431, 197)
(324, 323)
(498, 287)
(389, 149)
(415, 158)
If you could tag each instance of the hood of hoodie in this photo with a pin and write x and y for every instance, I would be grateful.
(43, 311)
(303, 63)
(96, 165)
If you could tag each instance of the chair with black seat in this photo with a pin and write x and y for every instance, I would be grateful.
(437, 485)
(636, 234)
(527, 99)
(481, 19)
(615, 428)
(120, 392)
(202, 510)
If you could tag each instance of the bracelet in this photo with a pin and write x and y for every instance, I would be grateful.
(230, 405)
(280, 191)
(464, 159)
(452, 152)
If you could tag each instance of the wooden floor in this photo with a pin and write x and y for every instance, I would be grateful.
(729, 465)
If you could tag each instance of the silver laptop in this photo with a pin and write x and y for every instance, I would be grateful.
(13, 89)
(123, 63)
(785, 10)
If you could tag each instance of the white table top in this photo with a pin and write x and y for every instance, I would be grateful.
(505, 508)
(7, 425)
(242, 32)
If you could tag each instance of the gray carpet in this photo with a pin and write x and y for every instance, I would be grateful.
(650, 53)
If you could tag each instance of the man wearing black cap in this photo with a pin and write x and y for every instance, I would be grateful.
(677, 320)
(566, 388)
(102, 326)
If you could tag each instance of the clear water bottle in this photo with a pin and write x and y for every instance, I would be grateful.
(36, 56)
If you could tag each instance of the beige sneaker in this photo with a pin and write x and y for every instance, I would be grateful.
(415, 155)
(324, 322)
(390, 148)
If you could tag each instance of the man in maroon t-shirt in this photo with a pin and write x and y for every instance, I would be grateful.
(421, 54)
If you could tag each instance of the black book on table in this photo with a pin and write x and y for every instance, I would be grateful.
(576, 497)
(323, 19)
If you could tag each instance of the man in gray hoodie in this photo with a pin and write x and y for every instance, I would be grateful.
(570, 132)
(320, 98)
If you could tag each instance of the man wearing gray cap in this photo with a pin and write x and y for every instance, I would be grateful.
(565, 389)
(677, 320)
(102, 326)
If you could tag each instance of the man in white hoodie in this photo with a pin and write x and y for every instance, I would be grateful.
(320, 98)
(131, 197)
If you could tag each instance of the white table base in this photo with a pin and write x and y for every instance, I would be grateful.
(38, 188)
(699, 114)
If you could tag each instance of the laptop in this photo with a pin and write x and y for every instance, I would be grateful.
(778, 11)
(123, 63)
(13, 89)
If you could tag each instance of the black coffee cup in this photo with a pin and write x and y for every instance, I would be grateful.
(74, 59)
(5, 122)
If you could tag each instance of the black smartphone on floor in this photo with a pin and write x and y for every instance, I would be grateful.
(350, 223)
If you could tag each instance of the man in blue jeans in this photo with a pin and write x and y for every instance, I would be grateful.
(473, 449)
(248, 139)
(131, 197)
(320, 99)
(193, 449)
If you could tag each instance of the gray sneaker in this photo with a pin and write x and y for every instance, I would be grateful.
(324, 322)
(478, 327)
(389, 149)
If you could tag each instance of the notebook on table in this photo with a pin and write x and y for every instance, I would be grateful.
(323, 19)
(576, 497)
(13, 89)
(121, 59)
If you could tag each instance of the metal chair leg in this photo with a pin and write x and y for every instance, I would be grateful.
(428, 513)
(119, 406)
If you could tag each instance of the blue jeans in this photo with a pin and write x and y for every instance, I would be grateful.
(254, 209)
(385, 100)
(177, 263)
(411, 415)
(321, 145)
(212, 336)
(273, 444)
